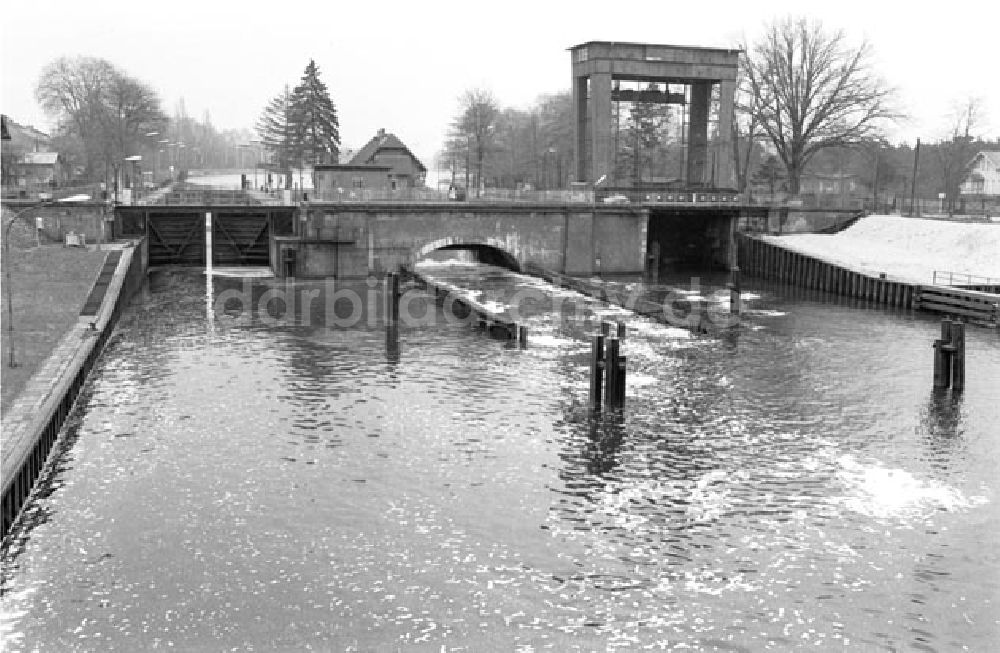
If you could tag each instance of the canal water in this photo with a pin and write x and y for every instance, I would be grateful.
(246, 474)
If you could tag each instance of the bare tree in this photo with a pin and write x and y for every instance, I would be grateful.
(532, 145)
(555, 122)
(72, 89)
(102, 106)
(809, 90)
(745, 129)
(477, 123)
(954, 154)
(131, 109)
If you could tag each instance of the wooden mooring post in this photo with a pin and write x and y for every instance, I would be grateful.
(607, 369)
(391, 298)
(619, 330)
(958, 362)
(611, 372)
(619, 389)
(596, 371)
(949, 356)
(735, 301)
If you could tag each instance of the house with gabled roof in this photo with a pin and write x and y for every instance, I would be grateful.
(384, 163)
(25, 159)
(385, 149)
(42, 168)
(984, 175)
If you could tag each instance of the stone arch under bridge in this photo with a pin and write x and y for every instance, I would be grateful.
(496, 250)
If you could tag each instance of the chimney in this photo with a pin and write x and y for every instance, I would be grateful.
(381, 132)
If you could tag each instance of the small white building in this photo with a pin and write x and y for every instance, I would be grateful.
(984, 177)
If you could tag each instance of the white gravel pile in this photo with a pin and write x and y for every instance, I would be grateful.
(909, 249)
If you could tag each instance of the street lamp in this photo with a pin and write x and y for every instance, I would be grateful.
(135, 159)
(241, 148)
(151, 136)
(7, 281)
(597, 183)
(545, 167)
(256, 160)
(161, 145)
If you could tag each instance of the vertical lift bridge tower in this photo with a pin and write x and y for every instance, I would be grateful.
(599, 65)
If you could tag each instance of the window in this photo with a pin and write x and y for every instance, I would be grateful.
(358, 182)
(581, 55)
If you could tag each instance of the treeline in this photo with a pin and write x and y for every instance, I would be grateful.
(490, 145)
(104, 115)
(880, 170)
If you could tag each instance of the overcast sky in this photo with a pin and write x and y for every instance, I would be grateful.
(403, 65)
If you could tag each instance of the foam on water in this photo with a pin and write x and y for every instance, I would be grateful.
(650, 328)
(762, 312)
(641, 380)
(15, 606)
(243, 272)
(876, 490)
(496, 307)
(543, 340)
(445, 263)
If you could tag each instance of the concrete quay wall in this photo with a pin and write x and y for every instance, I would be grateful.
(758, 258)
(33, 422)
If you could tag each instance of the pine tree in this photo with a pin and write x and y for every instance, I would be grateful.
(313, 119)
(277, 133)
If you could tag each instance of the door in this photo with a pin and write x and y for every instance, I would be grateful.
(176, 239)
(240, 239)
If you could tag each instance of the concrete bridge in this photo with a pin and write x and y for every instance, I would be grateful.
(354, 239)
(347, 240)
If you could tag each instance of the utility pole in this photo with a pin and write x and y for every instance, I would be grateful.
(875, 181)
(913, 181)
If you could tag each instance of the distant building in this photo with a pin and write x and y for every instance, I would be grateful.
(21, 165)
(343, 178)
(385, 149)
(819, 183)
(984, 177)
(37, 168)
(384, 163)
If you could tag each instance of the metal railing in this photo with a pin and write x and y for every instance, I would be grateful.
(948, 278)
(628, 195)
(432, 195)
(35, 193)
(374, 195)
(572, 196)
(192, 194)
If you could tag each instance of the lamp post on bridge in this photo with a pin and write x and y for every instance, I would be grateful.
(134, 159)
(256, 160)
(545, 167)
(160, 145)
(11, 362)
(152, 135)
(596, 184)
